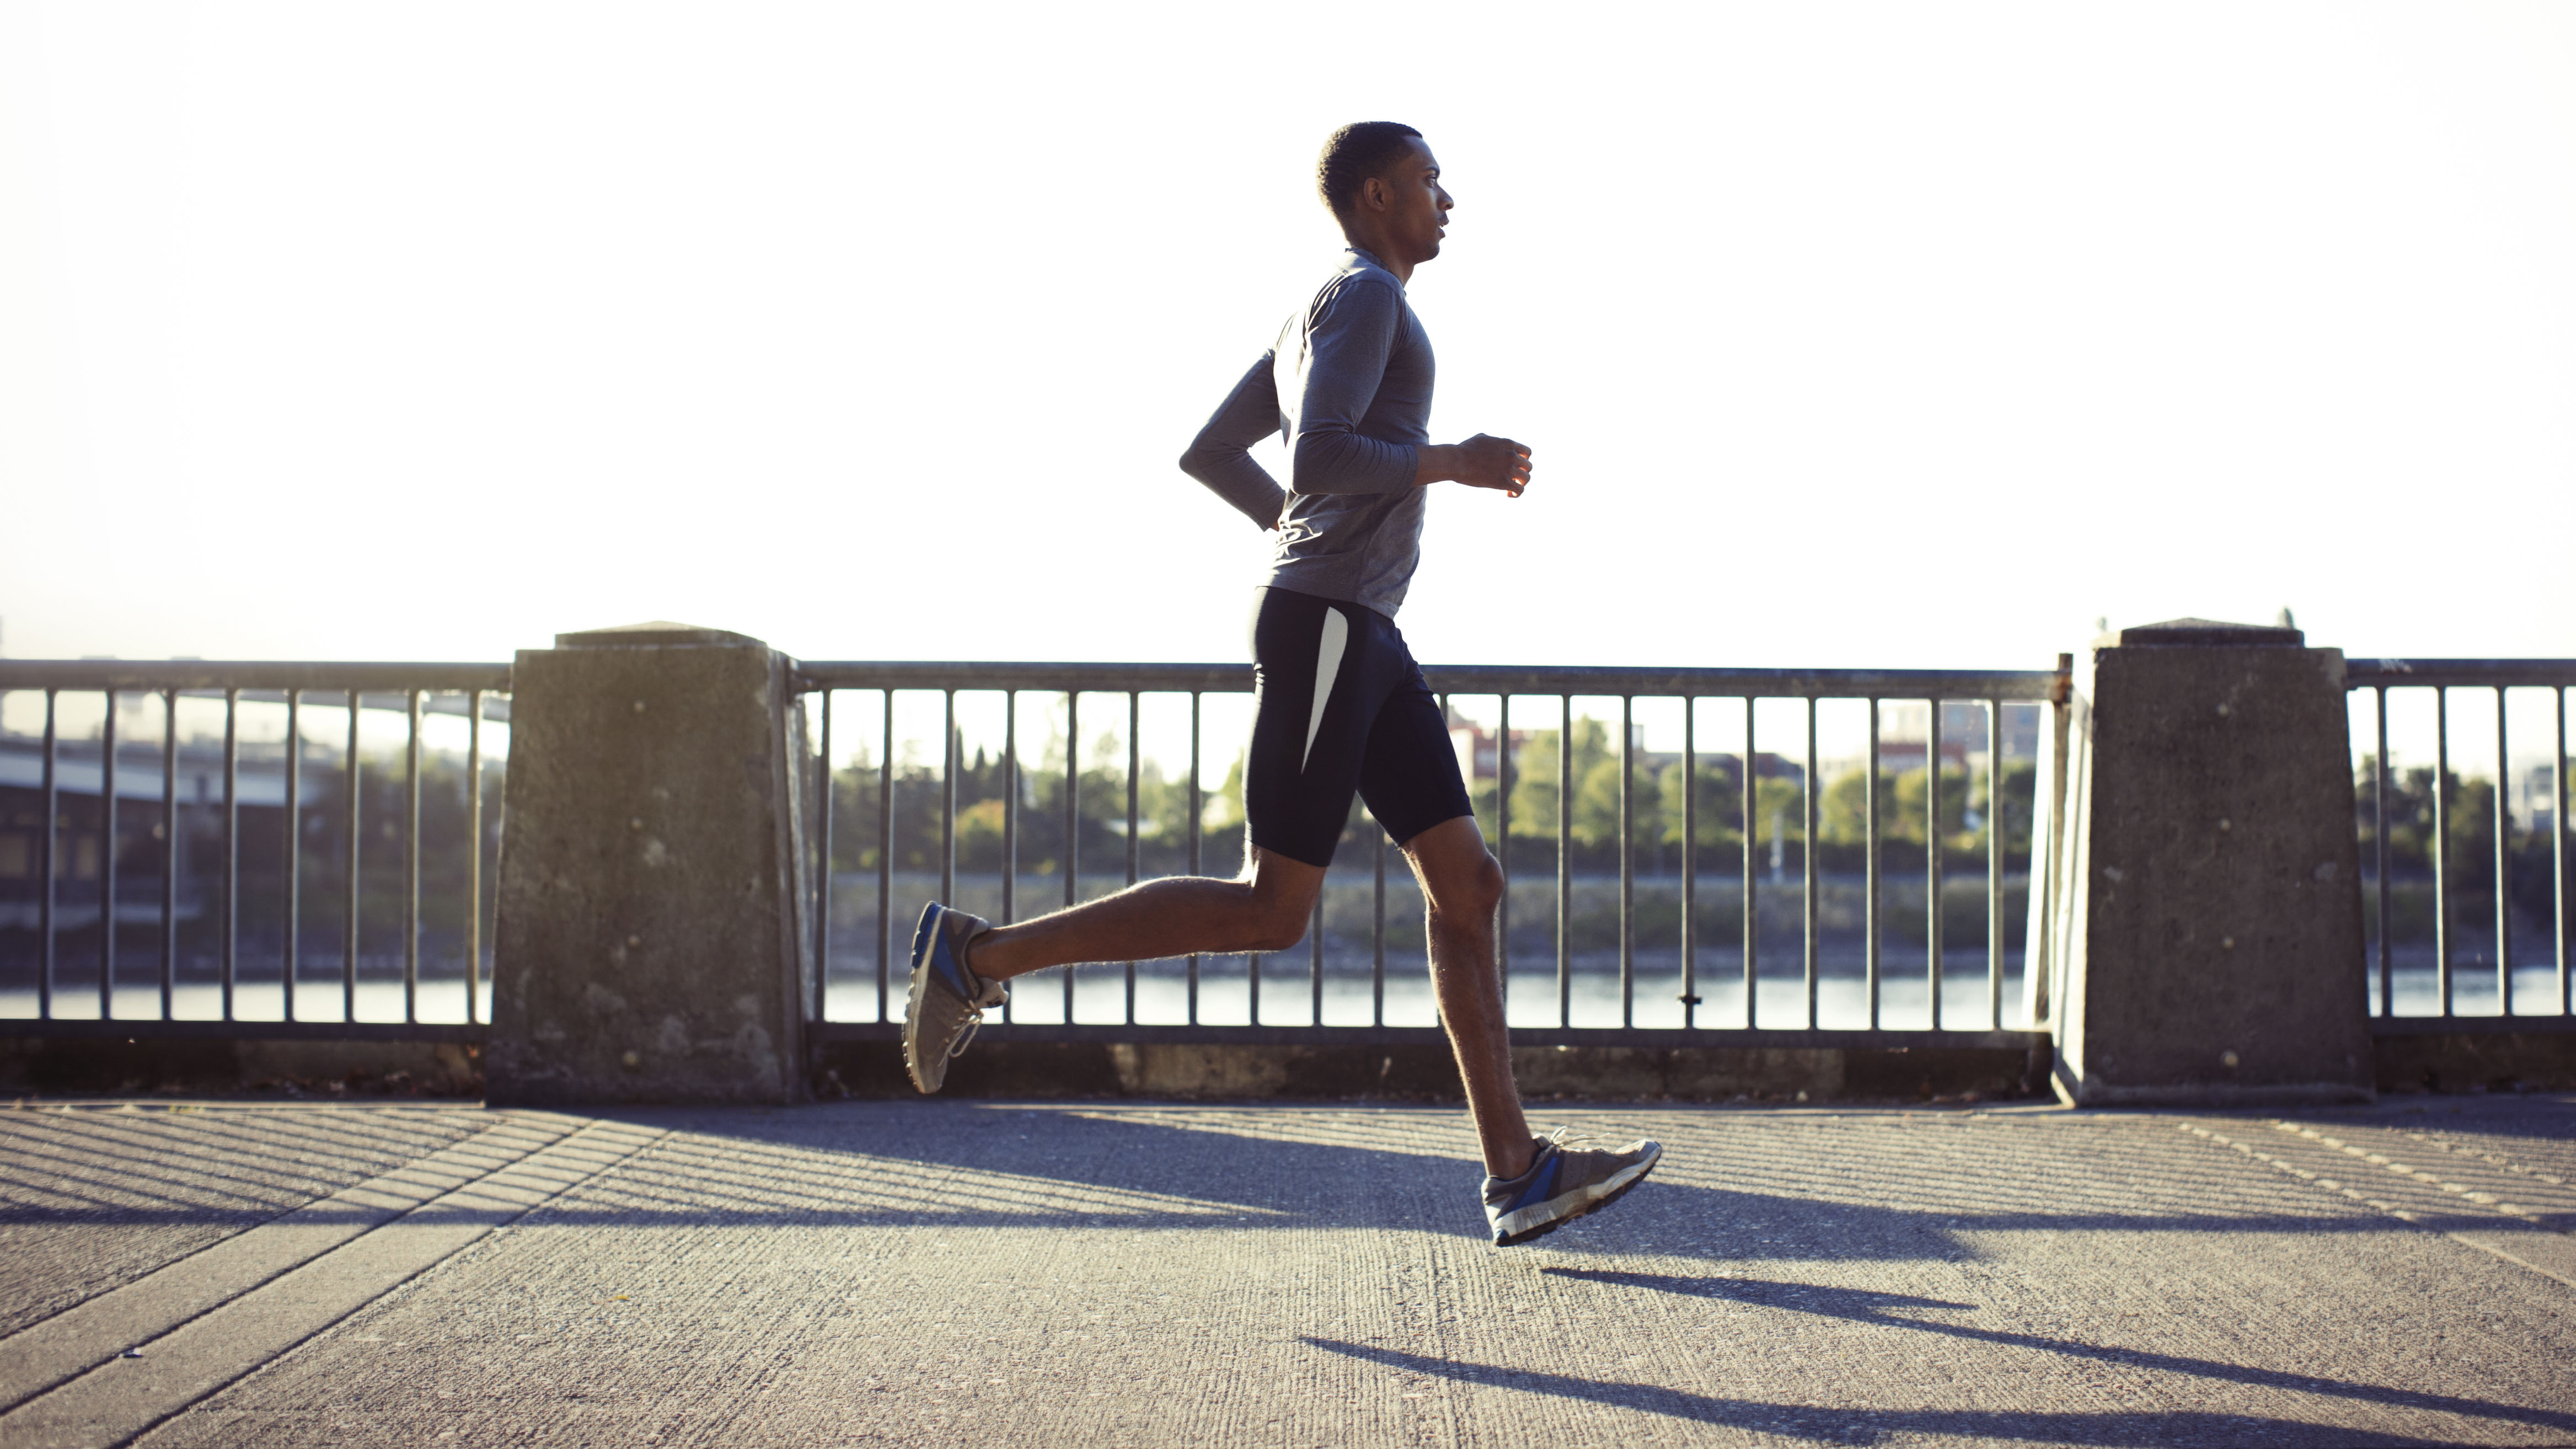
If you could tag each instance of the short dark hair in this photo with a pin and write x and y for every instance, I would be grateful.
(1355, 153)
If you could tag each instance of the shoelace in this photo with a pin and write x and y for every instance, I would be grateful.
(1567, 1139)
(974, 1024)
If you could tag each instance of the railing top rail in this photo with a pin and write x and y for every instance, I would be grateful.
(965, 674)
(1961, 684)
(2427, 673)
(1794, 683)
(194, 674)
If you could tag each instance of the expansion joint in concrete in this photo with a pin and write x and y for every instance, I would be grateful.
(107, 1370)
(2434, 1201)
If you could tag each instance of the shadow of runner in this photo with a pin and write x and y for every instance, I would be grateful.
(1861, 1305)
(1870, 1426)
(1197, 1169)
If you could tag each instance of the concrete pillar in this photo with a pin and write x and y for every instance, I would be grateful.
(652, 942)
(2218, 950)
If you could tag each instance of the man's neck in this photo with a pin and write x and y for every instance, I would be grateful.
(1403, 270)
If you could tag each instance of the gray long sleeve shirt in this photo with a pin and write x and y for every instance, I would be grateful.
(1349, 383)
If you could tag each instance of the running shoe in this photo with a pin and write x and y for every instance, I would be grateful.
(947, 1001)
(1567, 1179)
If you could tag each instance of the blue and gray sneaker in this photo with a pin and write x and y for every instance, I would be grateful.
(1567, 1179)
(947, 1001)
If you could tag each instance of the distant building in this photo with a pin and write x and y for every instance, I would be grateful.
(79, 836)
(1480, 756)
(1963, 733)
(2533, 800)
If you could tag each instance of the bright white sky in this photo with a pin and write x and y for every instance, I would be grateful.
(1854, 334)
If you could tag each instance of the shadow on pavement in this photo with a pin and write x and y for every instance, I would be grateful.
(1197, 1168)
(1860, 1305)
(1870, 1426)
(1193, 1169)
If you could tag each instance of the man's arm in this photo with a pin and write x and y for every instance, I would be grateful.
(1221, 455)
(1347, 345)
(1483, 461)
(1347, 348)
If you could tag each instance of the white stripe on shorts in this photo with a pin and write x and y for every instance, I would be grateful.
(1328, 663)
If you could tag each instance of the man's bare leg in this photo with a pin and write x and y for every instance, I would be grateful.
(1266, 909)
(1462, 885)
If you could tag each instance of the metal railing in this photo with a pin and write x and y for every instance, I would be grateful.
(412, 689)
(1503, 684)
(2441, 676)
(478, 692)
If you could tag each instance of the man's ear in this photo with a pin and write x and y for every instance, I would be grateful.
(1374, 193)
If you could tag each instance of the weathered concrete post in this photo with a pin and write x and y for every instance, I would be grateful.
(2220, 951)
(651, 944)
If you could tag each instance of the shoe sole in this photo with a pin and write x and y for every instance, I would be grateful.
(912, 1064)
(1530, 1235)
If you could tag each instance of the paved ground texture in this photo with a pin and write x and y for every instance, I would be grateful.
(972, 1273)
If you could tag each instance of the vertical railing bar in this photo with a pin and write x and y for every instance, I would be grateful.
(2079, 815)
(1252, 972)
(2041, 998)
(1377, 959)
(1010, 817)
(1503, 850)
(1752, 883)
(2442, 846)
(1812, 963)
(1690, 862)
(1315, 965)
(473, 855)
(1134, 841)
(885, 855)
(1627, 870)
(949, 752)
(45, 866)
(1564, 862)
(349, 882)
(1447, 721)
(2379, 830)
(2503, 866)
(1932, 861)
(2557, 848)
(107, 864)
(292, 947)
(1072, 819)
(1994, 865)
(1010, 813)
(169, 850)
(411, 865)
(823, 866)
(1869, 907)
(231, 938)
(1198, 812)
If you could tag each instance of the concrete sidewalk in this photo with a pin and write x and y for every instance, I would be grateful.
(974, 1273)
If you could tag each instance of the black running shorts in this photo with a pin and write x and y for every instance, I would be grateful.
(1339, 705)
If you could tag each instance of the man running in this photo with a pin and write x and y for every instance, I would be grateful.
(1339, 703)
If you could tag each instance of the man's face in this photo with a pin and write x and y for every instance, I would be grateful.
(1418, 209)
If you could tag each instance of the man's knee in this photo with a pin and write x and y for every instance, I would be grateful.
(1471, 893)
(1280, 893)
(1274, 915)
(1276, 924)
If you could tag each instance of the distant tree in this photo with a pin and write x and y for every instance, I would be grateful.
(1534, 772)
(2471, 863)
(1718, 797)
